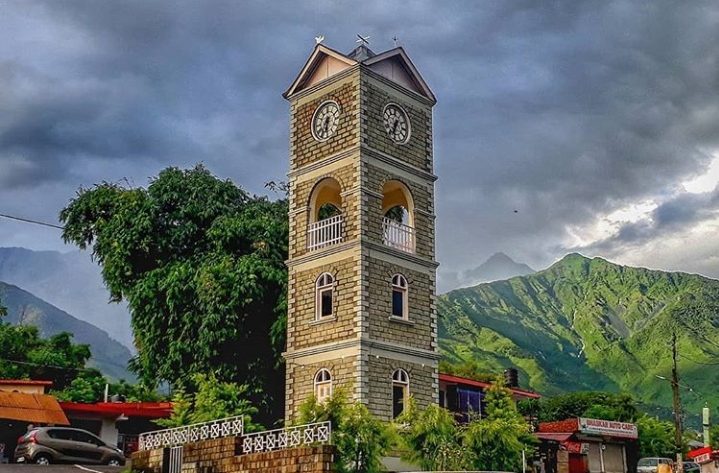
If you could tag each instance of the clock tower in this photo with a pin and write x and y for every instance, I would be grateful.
(362, 271)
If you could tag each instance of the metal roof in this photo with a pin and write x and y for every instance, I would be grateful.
(31, 408)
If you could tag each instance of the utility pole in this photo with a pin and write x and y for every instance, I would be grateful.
(677, 407)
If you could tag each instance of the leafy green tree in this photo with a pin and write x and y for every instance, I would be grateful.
(714, 436)
(27, 355)
(88, 386)
(432, 438)
(609, 406)
(471, 369)
(361, 440)
(200, 263)
(211, 399)
(656, 437)
(497, 441)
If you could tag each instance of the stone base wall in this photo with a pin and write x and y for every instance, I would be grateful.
(220, 456)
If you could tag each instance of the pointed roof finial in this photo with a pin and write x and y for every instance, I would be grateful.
(363, 40)
(395, 39)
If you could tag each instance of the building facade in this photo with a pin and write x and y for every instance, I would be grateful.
(362, 270)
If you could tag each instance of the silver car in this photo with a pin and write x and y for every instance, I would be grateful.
(650, 464)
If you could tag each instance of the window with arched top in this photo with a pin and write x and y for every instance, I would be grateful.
(400, 297)
(323, 385)
(398, 216)
(324, 295)
(400, 392)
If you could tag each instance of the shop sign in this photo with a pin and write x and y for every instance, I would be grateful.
(703, 458)
(607, 427)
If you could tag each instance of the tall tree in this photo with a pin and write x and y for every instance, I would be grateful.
(200, 263)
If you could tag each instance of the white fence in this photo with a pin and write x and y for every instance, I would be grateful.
(398, 235)
(191, 433)
(325, 232)
(269, 440)
(265, 441)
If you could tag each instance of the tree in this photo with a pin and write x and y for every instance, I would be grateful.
(211, 399)
(200, 263)
(432, 438)
(497, 441)
(656, 437)
(609, 406)
(361, 439)
(27, 355)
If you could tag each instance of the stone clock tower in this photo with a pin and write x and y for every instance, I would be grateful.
(362, 271)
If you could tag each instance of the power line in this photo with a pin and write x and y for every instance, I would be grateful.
(27, 220)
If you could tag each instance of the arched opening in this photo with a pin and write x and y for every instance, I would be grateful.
(400, 392)
(325, 212)
(323, 385)
(398, 216)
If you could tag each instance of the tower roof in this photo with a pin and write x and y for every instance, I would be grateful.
(393, 64)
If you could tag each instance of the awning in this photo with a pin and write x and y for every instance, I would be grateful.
(554, 436)
(31, 408)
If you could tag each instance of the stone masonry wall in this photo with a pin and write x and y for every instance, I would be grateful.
(374, 179)
(418, 150)
(302, 328)
(343, 371)
(301, 191)
(219, 456)
(416, 331)
(304, 149)
(423, 384)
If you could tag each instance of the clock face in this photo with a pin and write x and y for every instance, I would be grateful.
(396, 123)
(325, 120)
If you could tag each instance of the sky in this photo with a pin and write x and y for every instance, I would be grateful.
(596, 121)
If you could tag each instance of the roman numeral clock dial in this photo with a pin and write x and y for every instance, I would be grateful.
(325, 120)
(396, 123)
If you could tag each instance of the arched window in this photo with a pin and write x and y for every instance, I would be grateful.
(400, 391)
(324, 288)
(398, 216)
(323, 385)
(399, 297)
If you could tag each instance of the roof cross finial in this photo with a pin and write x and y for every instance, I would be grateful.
(363, 40)
(395, 39)
(319, 39)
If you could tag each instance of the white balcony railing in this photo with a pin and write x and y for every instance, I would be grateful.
(398, 235)
(325, 232)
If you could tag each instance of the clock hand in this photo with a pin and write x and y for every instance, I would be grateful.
(326, 124)
(394, 127)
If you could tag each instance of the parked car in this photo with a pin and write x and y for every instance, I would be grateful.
(651, 464)
(45, 445)
(691, 467)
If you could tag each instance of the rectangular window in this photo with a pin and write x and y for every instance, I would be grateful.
(397, 400)
(326, 303)
(398, 303)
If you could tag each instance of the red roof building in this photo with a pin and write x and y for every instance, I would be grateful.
(117, 423)
(464, 395)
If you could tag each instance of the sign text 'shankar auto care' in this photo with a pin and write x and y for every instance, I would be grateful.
(609, 428)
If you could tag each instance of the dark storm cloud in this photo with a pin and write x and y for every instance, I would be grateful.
(561, 110)
(678, 214)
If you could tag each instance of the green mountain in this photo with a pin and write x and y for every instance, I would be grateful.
(588, 324)
(108, 355)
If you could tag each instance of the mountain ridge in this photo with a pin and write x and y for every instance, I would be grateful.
(23, 307)
(587, 324)
(69, 281)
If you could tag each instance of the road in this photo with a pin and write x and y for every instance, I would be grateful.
(60, 469)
